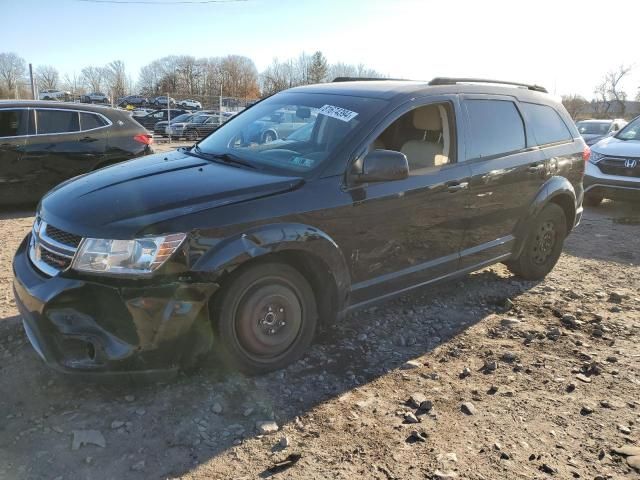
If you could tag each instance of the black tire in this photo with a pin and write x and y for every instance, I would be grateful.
(265, 318)
(105, 100)
(592, 200)
(543, 244)
(191, 135)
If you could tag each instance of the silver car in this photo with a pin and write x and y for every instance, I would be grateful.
(595, 130)
(613, 170)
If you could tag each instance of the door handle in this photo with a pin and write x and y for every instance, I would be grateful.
(456, 187)
(536, 168)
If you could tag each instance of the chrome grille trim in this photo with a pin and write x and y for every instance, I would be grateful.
(40, 242)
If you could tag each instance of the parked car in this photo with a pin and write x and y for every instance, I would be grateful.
(595, 130)
(50, 94)
(162, 101)
(614, 167)
(160, 128)
(246, 249)
(141, 112)
(95, 97)
(135, 100)
(277, 125)
(200, 126)
(190, 104)
(44, 143)
(149, 121)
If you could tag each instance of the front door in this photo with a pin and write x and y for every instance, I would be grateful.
(409, 232)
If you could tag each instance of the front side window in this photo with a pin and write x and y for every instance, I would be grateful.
(495, 127)
(258, 135)
(546, 124)
(13, 123)
(56, 121)
(423, 134)
(631, 131)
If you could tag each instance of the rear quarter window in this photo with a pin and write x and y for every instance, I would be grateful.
(546, 124)
(90, 121)
(495, 127)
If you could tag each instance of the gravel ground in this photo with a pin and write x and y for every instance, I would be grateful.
(487, 377)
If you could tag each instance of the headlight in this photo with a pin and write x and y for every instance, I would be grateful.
(140, 256)
(595, 156)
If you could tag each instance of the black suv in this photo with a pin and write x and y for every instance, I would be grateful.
(44, 143)
(244, 247)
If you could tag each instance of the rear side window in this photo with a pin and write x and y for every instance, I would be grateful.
(13, 123)
(495, 127)
(89, 121)
(57, 121)
(547, 125)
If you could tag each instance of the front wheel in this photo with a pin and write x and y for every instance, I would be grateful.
(191, 135)
(265, 317)
(543, 244)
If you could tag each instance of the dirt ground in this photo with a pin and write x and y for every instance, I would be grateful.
(508, 380)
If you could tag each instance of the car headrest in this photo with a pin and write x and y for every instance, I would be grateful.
(427, 118)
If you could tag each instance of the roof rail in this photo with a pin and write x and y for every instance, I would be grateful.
(360, 79)
(453, 81)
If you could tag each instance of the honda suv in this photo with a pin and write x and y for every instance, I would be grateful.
(244, 247)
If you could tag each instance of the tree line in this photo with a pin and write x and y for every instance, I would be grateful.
(179, 75)
(609, 100)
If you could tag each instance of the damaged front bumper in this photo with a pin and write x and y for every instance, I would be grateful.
(92, 327)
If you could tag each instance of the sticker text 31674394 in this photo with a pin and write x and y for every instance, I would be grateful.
(338, 112)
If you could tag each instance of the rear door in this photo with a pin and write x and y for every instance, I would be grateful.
(507, 170)
(13, 138)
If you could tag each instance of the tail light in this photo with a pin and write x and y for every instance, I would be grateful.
(144, 138)
(586, 154)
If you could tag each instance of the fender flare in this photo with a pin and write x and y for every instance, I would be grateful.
(552, 190)
(262, 240)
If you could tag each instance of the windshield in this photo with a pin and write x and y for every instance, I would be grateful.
(593, 128)
(631, 131)
(200, 118)
(326, 121)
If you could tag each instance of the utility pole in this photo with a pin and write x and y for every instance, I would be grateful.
(169, 117)
(33, 85)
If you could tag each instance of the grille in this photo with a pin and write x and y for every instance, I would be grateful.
(63, 237)
(54, 260)
(616, 166)
(51, 250)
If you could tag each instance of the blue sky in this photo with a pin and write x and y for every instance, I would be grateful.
(550, 42)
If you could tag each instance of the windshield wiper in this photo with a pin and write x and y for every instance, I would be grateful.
(224, 157)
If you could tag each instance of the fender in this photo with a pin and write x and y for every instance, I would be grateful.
(233, 251)
(552, 189)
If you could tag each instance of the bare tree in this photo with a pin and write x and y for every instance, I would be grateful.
(609, 92)
(47, 77)
(576, 105)
(241, 76)
(276, 77)
(93, 78)
(116, 78)
(12, 71)
(72, 83)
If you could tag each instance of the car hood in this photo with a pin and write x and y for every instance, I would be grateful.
(128, 198)
(618, 148)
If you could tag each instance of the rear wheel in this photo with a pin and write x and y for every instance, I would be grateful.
(265, 318)
(592, 199)
(191, 135)
(268, 137)
(543, 244)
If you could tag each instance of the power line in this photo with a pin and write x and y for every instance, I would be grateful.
(157, 2)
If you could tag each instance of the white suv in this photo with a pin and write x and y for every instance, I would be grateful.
(191, 104)
(53, 94)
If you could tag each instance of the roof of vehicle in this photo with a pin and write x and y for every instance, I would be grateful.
(396, 89)
(52, 104)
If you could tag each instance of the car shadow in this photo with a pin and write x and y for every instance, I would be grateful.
(604, 226)
(178, 425)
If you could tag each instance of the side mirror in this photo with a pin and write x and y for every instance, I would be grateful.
(383, 166)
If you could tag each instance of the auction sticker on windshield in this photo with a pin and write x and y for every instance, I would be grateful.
(338, 112)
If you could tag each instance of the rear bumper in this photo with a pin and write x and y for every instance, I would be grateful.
(90, 328)
(610, 186)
